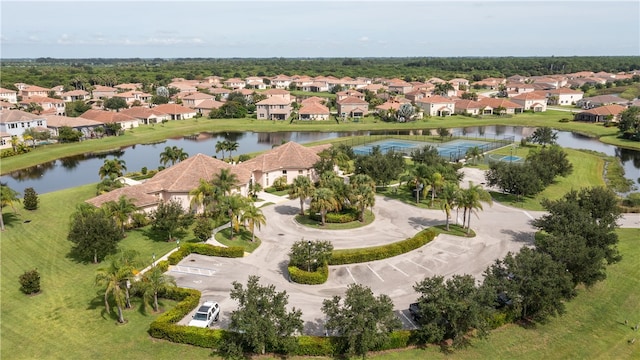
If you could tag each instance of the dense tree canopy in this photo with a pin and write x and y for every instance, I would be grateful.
(94, 233)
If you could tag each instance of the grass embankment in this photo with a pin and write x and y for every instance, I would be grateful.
(243, 238)
(67, 319)
(173, 129)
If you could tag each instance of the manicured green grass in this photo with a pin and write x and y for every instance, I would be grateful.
(306, 221)
(454, 229)
(242, 239)
(149, 134)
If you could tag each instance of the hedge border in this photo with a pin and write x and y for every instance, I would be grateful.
(205, 249)
(317, 277)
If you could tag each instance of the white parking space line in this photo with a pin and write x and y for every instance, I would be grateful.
(193, 270)
(415, 263)
(397, 269)
(409, 320)
(528, 215)
(350, 274)
(375, 273)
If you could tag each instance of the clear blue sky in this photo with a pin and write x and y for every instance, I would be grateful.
(302, 28)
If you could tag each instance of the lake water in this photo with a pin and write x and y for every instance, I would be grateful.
(83, 169)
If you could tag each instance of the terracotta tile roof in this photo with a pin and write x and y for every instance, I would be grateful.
(40, 100)
(141, 112)
(57, 121)
(603, 99)
(274, 101)
(533, 95)
(221, 91)
(276, 92)
(613, 109)
(7, 116)
(353, 100)
(107, 117)
(389, 105)
(436, 99)
(349, 93)
(136, 193)
(312, 99)
(498, 102)
(35, 88)
(6, 105)
(198, 96)
(185, 175)
(101, 88)
(129, 86)
(75, 93)
(7, 91)
(290, 155)
(467, 104)
(209, 104)
(314, 108)
(173, 109)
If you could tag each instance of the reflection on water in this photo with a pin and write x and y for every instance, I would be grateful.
(83, 169)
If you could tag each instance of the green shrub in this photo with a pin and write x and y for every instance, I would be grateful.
(352, 256)
(344, 216)
(7, 153)
(205, 249)
(299, 276)
(30, 282)
(315, 346)
(564, 120)
(280, 183)
(30, 199)
(163, 265)
(399, 339)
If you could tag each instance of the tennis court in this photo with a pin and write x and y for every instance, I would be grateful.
(451, 150)
(402, 146)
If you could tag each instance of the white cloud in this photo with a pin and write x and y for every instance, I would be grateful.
(364, 39)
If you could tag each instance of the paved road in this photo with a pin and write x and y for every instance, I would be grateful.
(499, 229)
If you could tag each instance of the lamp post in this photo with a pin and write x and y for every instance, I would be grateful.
(309, 256)
(178, 244)
(153, 256)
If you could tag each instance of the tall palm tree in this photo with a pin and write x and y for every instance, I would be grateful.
(231, 146)
(8, 196)
(109, 278)
(323, 199)
(235, 204)
(172, 154)
(204, 195)
(301, 188)
(474, 153)
(420, 175)
(126, 263)
(155, 281)
(226, 181)
(112, 168)
(448, 198)
(436, 181)
(120, 210)
(253, 216)
(180, 154)
(471, 200)
(221, 146)
(362, 196)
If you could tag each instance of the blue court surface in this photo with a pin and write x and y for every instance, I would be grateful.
(452, 150)
(510, 158)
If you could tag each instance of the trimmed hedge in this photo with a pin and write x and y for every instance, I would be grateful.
(299, 276)
(342, 217)
(352, 256)
(205, 249)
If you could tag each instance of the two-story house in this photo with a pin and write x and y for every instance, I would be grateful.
(15, 122)
(436, 105)
(536, 101)
(9, 95)
(273, 108)
(352, 107)
(49, 105)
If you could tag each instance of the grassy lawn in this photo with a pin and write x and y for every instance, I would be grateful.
(454, 229)
(306, 221)
(67, 319)
(243, 239)
(149, 134)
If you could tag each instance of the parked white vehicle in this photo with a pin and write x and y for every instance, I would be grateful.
(206, 314)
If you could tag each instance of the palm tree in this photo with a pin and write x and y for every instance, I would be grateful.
(474, 153)
(231, 146)
(172, 154)
(226, 181)
(204, 195)
(121, 210)
(323, 199)
(235, 204)
(362, 196)
(420, 175)
(448, 198)
(155, 281)
(471, 199)
(436, 181)
(253, 216)
(109, 278)
(301, 188)
(8, 196)
(112, 168)
(180, 154)
(126, 263)
(221, 146)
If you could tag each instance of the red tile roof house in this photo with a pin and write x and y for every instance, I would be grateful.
(132, 96)
(9, 95)
(400, 87)
(341, 95)
(145, 115)
(235, 83)
(564, 96)
(314, 99)
(49, 105)
(34, 91)
(193, 100)
(601, 114)
(278, 93)
(176, 111)
(535, 101)
(86, 126)
(491, 106)
(15, 122)
(437, 105)
(206, 106)
(273, 108)
(103, 92)
(75, 95)
(111, 117)
(352, 107)
(467, 107)
(220, 93)
(281, 81)
(316, 86)
(489, 83)
(6, 105)
(314, 111)
(289, 160)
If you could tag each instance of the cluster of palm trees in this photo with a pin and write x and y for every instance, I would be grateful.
(121, 274)
(216, 199)
(226, 146)
(172, 154)
(469, 199)
(333, 194)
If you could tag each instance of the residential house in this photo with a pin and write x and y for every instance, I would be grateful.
(489, 83)
(600, 100)
(352, 107)
(75, 95)
(602, 113)
(498, 106)
(235, 83)
(103, 92)
(176, 111)
(128, 87)
(49, 105)
(145, 115)
(281, 81)
(313, 99)
(400, 87)
(221, 93)
(416, 95)
(437, 105)
(255, 82)
(278, 93)
(313, 111)
(535, 101)
(85, 126)
(132, 96)
(564, 96)
(32, 90)
(15, 122)
(184, 86)
(6, 105)
(247, 93)
(9, 95)
(5, 140)
(206, 106)
(273, 108)
(111, 117)
(460, 83)
(195, 99)
(289, 160)
(316, 86)
(467, 107)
